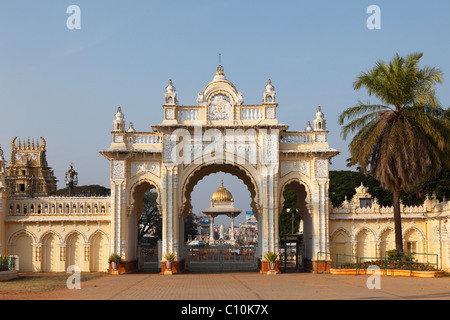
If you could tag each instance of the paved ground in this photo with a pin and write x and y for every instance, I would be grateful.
(247, 286)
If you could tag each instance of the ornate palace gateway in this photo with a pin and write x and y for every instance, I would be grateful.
(219, 134)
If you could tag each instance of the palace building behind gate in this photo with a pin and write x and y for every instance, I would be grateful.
(220, 134)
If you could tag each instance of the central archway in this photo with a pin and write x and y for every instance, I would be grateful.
(193, 174)
(222, 256)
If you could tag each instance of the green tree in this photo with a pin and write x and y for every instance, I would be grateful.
(190, 226)
(285, 219)
(150, 220)
(89, 190)
(399, 139)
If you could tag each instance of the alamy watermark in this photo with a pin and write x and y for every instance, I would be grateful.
(74, 20)
(374, 21)
(74, 280)
(374, 281)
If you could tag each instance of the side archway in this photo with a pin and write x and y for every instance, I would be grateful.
(303, 210)
(135, 209)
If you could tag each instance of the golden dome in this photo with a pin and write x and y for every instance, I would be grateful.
(222, 194)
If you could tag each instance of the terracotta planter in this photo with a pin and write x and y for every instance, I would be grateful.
(266, 267)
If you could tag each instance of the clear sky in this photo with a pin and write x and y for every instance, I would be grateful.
(65, 85)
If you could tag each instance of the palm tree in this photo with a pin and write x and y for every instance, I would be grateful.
(397, 140)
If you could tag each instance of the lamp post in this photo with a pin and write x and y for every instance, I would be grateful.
(71, 179)
(292, 217)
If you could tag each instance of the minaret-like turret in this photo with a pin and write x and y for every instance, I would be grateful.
(119, 122)
(319, 122)
(171, 95)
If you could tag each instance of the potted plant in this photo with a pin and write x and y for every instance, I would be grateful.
(271, 258)
(170, 258)
(114, 260)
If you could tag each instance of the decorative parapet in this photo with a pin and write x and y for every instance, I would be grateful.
(362, 203)
(58, 207)
(136, 141)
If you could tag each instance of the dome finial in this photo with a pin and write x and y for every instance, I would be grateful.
(220, 71)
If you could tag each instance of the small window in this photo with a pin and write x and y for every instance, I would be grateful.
(22, 187)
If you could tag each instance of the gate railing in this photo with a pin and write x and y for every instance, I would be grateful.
(408, 261)
(221, 257)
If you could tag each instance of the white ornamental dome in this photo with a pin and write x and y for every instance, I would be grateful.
(170, 88)
(319, 114)
(119, 114)
(269, 86)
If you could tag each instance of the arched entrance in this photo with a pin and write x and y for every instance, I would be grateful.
(144, 227)
(222, 247)
(294, 226)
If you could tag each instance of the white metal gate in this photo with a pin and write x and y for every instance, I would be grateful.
(222, 257)
(148, 258)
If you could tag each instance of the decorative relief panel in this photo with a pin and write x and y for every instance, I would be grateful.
(270, 113)
(118, 170)
(321, 138)
(321, 169)
(118, 139)
(170, 114)
(220, 109)
(144, 167)
(270, 143)
(169, 149)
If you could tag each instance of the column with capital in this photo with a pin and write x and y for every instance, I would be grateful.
(232, 227)
(211, 229)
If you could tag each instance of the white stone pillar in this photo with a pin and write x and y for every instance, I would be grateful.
(232, 227)
(211, 229)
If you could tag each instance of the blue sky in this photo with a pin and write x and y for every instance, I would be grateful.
(65, 85)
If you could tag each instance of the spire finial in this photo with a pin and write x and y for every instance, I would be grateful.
(220, 67)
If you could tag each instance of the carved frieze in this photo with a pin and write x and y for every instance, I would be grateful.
(289, 166)
(144, 167)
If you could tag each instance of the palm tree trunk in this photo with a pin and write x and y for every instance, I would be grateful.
(398, 219)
